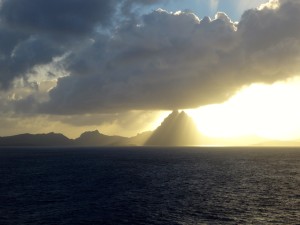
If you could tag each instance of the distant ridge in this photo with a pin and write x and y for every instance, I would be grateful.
(50, 139)
(178, 129)
(95, 138)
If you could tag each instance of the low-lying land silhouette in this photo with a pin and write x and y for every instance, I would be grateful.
(178, 129)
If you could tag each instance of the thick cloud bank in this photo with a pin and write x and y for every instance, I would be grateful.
(34, 32)
(56, 16)
(162, 60)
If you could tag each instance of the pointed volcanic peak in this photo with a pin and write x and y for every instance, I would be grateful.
(178, 129)
(95, 138)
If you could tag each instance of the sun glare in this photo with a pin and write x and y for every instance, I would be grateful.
(267, 111)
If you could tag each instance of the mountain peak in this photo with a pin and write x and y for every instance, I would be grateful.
(176, 129)
(94, 133)
(95, 138)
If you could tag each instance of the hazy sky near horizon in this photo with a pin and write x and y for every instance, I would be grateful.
(74, 65)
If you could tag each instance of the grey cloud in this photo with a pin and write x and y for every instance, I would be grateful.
(266, 28)
(57, 16)
(21, 53)
(75, 17)
(130, 5)
(8, 41)
(270, 41)
(171, 61)
(151, 66)
(33, 32)
(161, 61)
(9, 38)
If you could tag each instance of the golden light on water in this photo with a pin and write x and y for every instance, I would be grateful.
(268, 111)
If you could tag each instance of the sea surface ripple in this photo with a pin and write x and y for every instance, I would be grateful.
(149, 186)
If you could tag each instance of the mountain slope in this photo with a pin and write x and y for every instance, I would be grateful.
(138, 140)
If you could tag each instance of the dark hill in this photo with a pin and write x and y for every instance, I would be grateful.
(51, 139)
(95, 138)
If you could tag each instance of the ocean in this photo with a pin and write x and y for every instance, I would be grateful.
(136, 185)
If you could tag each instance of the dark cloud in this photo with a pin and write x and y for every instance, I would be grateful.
(57, 16)
(170, 61)
(156, 61)
(20, 53)
(269, 41)
(129, 6)
(61, 17)
(8, 40)
(151, 66)
(33, 32)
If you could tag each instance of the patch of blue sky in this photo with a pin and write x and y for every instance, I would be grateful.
(233, 8)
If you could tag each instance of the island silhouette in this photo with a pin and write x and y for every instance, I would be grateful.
(177, 129)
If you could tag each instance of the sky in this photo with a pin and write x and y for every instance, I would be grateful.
(120, 66)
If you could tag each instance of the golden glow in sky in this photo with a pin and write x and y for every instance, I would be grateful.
(268, 111)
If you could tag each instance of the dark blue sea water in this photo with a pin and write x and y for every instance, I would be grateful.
(149, 186)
